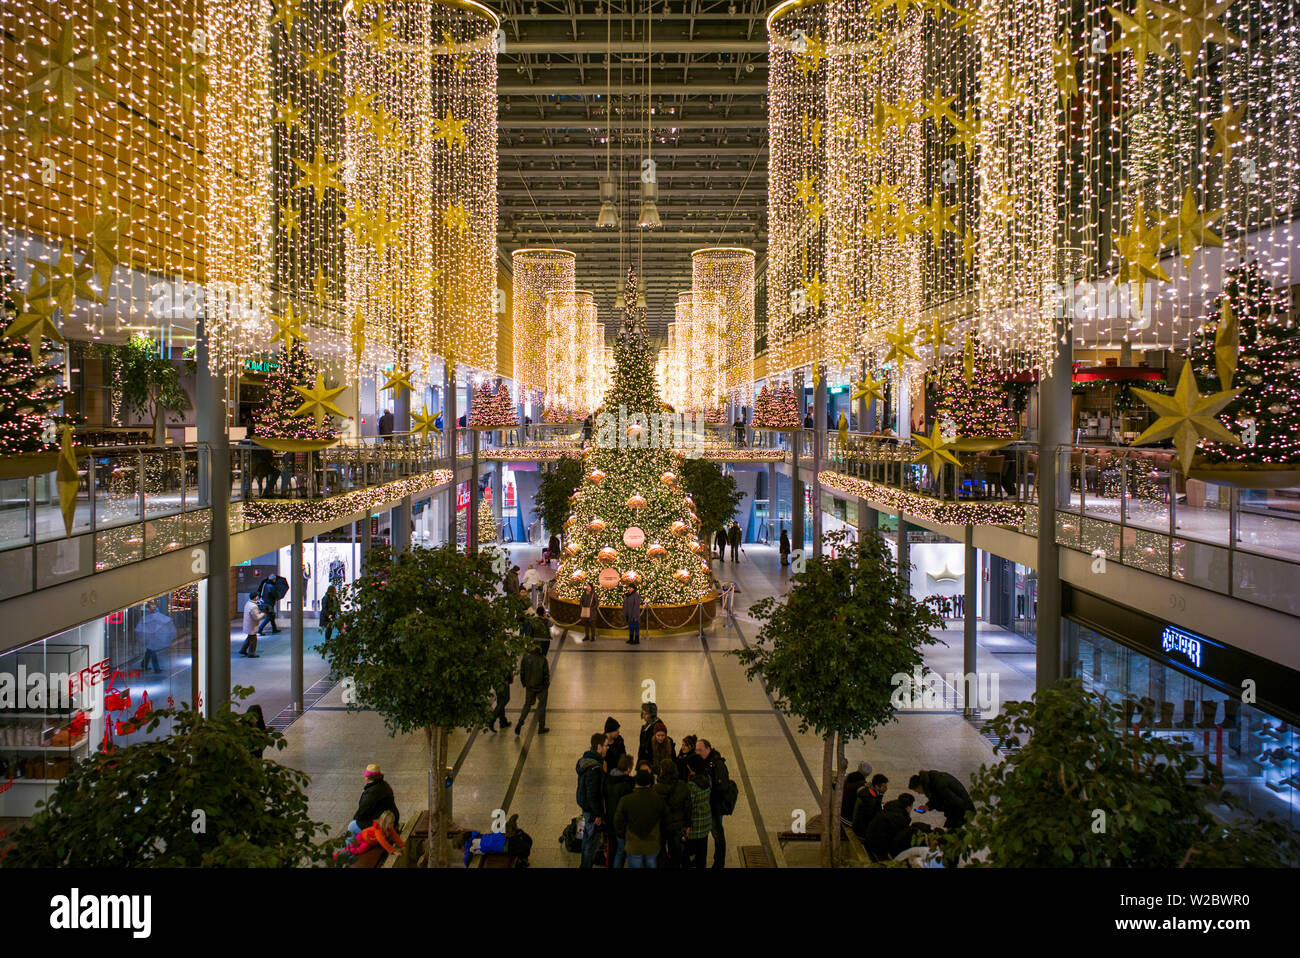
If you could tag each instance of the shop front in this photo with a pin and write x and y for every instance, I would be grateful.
(92, 688)
(1232, 707)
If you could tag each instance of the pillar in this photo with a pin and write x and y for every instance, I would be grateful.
(970, 582)
(1053, 435)
(364, 535)
(819, 443)
(400, 520)
(796, 499)
(471, 523)
(297, 600)
(449, 441)
(904, 554)
(773, 505)
(210, 417)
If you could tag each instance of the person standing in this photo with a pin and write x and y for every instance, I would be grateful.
(649, 715)
(252, 614)
(676, 796)
(591, 795)
(156, 631)
(785, 547)
(632, 614)
(697, 833)
(722, 797)
(512, 581)
(616, 747)
(662, 748)
(683, 759)
(535, 673)
(376, 798)
(720, 543)
(503, 699)
(588, 613)
(944, 793)
(639, 823)
(329, 610)
(553, 550)
(618, 784)
(733, 538)
(386, 424)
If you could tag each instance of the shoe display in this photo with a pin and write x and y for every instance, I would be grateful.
(1209, 709)
(1189, 714)
(1166, 715)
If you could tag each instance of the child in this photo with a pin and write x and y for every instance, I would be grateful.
(381, 833)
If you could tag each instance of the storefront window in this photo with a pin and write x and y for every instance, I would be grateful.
(1256, 752)
(88, 689)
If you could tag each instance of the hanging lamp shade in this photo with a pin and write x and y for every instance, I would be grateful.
(608, 217)
(649, 218)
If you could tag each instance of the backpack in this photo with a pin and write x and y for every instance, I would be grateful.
(520, 844)
(728, 795)
(570, 838)
(281, 587)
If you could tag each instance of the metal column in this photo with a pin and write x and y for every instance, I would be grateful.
(449, 440)
(969, 621)
(400, 518)
(297, 600)
(1053, 436)
(210, 416)
(773, 505)
(819, 443)
(904, 554)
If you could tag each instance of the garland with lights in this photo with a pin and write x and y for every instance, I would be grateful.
(926, 507)
(349, 503)
(632, 520)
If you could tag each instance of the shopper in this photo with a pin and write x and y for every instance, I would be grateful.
(697, 833)
(376, 798)
(639, 823)
(733, 539)
(890, 830)
(649, 715)
(855, 780)
(272, 590)
(785, 547)
(252, 615)
(553, 550)
(723, 797)
(329, 610)
(542, 629)
(535, 674)
(503, 699)
(512, 581)
(944, 793)
(156, 632)
(676, 796)
(662, 748)
(720, 543)
(254, 712)
(591, 796)
(632, 614)
(589, 605)
(386, 424)
(868, 804)
(683, 758)
(618, 784)
(614, 740)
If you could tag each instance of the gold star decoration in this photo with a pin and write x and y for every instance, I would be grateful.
(384, 232)
(1190, 227)
(1186, 417)
(380, 32)
(425, 423)
(937, 335)
(286, 13)
(1196, 22)
(32, 323)
(1227, 344)
(103, 230)
(1006, 94)
(359, 104)
(319, 62)
(900, 344)
(289, 220)
(63, 283)
(457, 52)
(816, 210)
(1142, 34)
(967, 134)
(319, 175)
(969, 247)
(358, 336)
(44, 123)
(450, 130)
(805, 190)
(356, 220)
(1063, 68)
(61, 70)
(318, 402)
(287, 113)
(939, 218)
(872, 390)
(812, 129)
(287, 328)
(934, 451)
(457, 217)
(1139, 251)
(387, 131)
(1227, 131)
(814, 291)
(814, 51)
(399, 379)
(66, 478)
(939, 108)
(968, 359)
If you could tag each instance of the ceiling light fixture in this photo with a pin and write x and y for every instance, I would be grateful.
(608, 216)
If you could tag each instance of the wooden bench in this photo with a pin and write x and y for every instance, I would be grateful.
(753, 856)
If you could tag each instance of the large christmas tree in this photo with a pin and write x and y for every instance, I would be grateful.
(276, 418)
(977, 404)
(632, 519)
(29, 391)
(1259, 334)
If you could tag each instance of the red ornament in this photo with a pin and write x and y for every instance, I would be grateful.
(637, 501)
(607, 555)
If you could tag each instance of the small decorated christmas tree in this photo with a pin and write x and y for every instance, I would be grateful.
(276, 418)
(487, 522)
(493, 409)
(978, 406)
(1260, 348)
(29, 391)
(780, 412)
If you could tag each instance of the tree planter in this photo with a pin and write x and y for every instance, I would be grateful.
(1246, 475)
(293, 445)
(665, 618)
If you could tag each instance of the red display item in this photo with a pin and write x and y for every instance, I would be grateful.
(116, 700)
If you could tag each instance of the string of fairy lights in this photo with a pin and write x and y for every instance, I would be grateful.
(574, 337)
(726, 274)
(534, 274)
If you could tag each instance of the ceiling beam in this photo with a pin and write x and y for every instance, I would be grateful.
(666, 45)
(660, 89)
(507, 121)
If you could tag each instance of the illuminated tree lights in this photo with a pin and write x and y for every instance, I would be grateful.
(278, 416)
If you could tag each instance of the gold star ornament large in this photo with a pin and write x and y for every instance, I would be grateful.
(900, 345)
(425, 423)
(32, 323)
(399, 379)
(934, 451)
(1186, 417)
(1227, 344)
(66, 479)
(1191, 227)
(287, 328)
(869, 389)
(318, 401)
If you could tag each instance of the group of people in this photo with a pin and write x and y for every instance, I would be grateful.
(730, 536)
(259, 612)
(886, 828)
(656, 810)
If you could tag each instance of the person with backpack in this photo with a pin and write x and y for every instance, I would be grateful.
(591, 796)
(676, 796)
(266, 600)
(639, 823)
(535, 674)
(722, 799)
(701, 822)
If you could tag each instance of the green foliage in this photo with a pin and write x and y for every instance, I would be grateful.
(849, 624)
(134, 807)
(148, 384)
(715, 494)
(1072, 759)
(426, 637)
(551, 504)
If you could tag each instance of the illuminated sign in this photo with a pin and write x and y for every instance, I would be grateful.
(1184, 644)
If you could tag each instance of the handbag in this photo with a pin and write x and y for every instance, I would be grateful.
(586, 612)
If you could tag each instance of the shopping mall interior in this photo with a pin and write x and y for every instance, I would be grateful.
(837, 383)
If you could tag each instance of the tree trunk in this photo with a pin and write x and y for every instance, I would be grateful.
(433, 797)
(828, 819)
(442, 796)
(837, 846)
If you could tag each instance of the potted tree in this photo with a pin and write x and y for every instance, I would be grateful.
(147, 384)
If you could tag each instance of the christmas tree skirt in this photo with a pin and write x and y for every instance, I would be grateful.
(1246, 475)
(655, 619)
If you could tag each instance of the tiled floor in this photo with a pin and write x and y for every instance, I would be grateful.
(700, 689)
